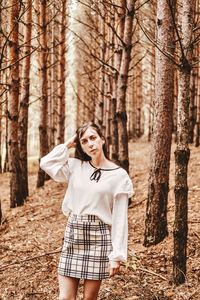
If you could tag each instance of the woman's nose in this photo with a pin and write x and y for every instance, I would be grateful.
(90, 143)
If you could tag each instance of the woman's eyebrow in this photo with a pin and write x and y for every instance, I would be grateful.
(85, 139)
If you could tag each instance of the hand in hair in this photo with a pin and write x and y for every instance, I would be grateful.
(71, 143)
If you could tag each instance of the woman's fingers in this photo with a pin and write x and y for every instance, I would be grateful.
(114, 268)
(111, 272)
(72, 142)
(114, 271)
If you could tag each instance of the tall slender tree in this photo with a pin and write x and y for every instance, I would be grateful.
(100, 107)
(1, 113)
(24, 102)
(118, 23)
(122, 85)
(6, 159)
(1, 91)
(43, 135)
(54, 84)
(197, 131)
(62, 66)
(182, 152)
(156, 211)
(16, 195)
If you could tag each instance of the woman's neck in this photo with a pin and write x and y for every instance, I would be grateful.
(99, 161)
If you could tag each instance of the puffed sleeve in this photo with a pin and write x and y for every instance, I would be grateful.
(124, 186)
(119, 230)
(56, 163)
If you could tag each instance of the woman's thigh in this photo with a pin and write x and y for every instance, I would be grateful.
(91, 289)
(68, 287)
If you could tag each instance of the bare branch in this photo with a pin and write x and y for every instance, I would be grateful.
(168, 55)
(28, 259)
(11, 65)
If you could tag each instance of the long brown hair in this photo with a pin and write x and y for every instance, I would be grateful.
(80, 131)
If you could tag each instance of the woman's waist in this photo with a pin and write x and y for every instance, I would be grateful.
(87, 217)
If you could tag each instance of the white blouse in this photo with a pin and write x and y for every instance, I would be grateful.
(106, 198)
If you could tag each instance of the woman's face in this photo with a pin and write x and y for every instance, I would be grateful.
(91, 142)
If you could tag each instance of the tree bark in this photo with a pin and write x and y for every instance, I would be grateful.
(193, 106)
(182, 152)
(23, 115)
(54, 81)
(43, 136)
(100, 107)
(197, 129)
(118, 22)
(62, 62)
(122, 86)
(1, 102)
(158, 186)
(1, 113)
(16, 195)
(1, 168)
(6, 160)
(109, 87)
(1, 215)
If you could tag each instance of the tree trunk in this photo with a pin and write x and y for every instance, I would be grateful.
(1, 102)
(100, 107)
(182, 152)
(197, 130)
(16, 195)
(109, 92)
(1, 168)
(107, 82)
(138, 99)
(193, 107)
(61, 94)
(0, 213)
(118, 22)
(23, 115)
(147, 15)
(158, 187)
(6, 160)
(197, 139)
(181, 215)
(122, 86)
(175, 105)
(43, 136)
(1, 114)
(54, 83)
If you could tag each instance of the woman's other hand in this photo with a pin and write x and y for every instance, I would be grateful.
(114, 268)
(71, 143)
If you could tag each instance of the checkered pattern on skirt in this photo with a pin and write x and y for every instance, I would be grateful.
(87, 244)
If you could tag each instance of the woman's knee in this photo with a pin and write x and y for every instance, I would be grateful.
(67, 287)
(91, 289)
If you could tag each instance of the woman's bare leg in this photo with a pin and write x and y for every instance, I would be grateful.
(68, 287)
(91, 289)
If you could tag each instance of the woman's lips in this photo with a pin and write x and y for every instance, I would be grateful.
(91, 151)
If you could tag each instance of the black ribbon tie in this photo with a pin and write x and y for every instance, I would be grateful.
(96, 175)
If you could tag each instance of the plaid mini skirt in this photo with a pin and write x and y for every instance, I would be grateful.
(87, 244)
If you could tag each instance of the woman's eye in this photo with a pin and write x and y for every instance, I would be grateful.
(93, 137)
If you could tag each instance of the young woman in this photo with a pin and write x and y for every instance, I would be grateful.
(96, 201)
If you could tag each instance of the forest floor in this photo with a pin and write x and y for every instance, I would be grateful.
(31, 238)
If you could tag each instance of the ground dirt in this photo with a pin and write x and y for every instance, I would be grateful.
(31, 237)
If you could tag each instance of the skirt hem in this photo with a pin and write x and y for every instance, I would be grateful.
(83, 277)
